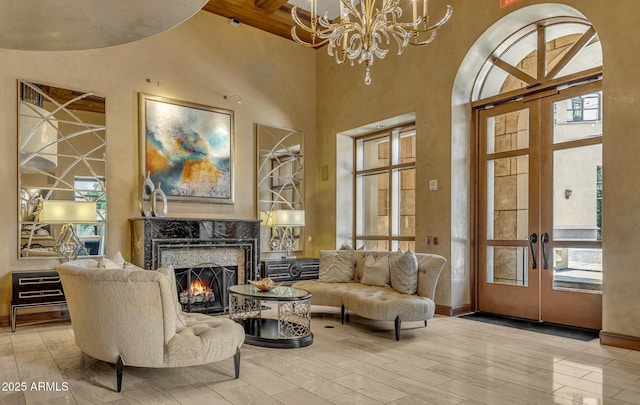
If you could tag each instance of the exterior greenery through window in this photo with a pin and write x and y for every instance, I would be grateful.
(385, 189)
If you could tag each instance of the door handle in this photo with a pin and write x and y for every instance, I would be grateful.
(533, 239)
(544, 240)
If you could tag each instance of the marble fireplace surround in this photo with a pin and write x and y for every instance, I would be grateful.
(186, 242)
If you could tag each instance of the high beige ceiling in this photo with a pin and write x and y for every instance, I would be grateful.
(268, 15)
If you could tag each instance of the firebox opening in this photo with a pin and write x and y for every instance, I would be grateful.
(203, 288)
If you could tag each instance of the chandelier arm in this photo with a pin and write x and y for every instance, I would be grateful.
(432, 36)
(297, 39)
(364, 33)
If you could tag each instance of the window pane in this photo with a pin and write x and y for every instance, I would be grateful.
(382, 245)
(577, 118)
(373, 152)
(507, 265)
(404, 199)
(508, 198)
(577, 269)
(577, 193)
(372, 196)
(405, 245)
(408, 146)
(506, 132)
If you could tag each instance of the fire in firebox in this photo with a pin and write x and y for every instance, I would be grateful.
(197, 293)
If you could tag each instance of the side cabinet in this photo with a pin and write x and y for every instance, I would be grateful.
(33, 289)
(288, 271)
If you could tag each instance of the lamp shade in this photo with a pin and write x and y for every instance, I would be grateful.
(68, 212)
(266, 217)
(288, 217)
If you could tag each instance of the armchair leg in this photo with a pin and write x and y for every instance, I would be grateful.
(397, 324)
(425, 324)
(236, 363)
(342, 314)
(119, 370)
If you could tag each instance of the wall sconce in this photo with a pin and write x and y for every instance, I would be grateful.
(567, 194)
(235, 97)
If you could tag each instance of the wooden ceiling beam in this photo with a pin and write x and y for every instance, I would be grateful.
(278, 22)
(270, 5)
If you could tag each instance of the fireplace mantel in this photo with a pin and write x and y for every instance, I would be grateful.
(152, 236)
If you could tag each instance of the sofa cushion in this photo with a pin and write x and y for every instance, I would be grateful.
(171, 274)
(376, 271)
(336, 266)
(385, 303)
(329, 294)
(403, 272)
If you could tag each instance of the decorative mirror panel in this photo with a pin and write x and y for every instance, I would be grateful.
(61, 173)
(280, 189)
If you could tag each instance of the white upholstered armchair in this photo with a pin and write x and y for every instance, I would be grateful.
(132, 317)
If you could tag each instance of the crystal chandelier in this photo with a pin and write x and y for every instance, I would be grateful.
(364, 28)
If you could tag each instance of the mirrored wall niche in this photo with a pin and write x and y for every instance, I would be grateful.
(62, 172)
(280, 189)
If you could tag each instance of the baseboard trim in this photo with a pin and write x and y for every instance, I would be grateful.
(449, 311)
(36, 317)
(623, 341)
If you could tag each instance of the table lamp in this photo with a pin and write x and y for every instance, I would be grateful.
(68, 213)
(288, 219)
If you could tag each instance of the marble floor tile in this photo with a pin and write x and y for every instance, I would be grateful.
(452, 361)
(362, 385)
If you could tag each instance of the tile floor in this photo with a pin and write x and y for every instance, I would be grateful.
(452, 361)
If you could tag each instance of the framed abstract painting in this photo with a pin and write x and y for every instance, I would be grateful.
(187, 149)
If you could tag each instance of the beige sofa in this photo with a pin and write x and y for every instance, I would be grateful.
(379, 302)
(133, 317)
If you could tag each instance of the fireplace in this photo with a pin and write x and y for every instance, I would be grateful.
(188, 242)
(203, 288)
(207, 255)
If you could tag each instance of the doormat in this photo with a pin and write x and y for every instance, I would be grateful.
(570, 332)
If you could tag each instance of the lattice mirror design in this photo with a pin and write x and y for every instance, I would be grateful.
(62, 208)
(280, 188)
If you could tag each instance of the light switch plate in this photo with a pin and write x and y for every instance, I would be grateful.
(433, 185)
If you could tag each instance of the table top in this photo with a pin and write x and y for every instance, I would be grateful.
(281, 293)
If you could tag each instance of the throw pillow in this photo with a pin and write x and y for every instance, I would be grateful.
(118, 260)
(171, 274)
(376, 272)
(336, 266)
(404, 272)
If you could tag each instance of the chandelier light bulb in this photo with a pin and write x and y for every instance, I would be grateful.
(363, 30)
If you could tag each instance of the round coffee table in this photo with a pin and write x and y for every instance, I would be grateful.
(290, 329)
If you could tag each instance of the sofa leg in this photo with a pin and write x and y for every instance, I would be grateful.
(398, 323)
(425, 324)
(119, 370)
(236, 363)
(342, 315)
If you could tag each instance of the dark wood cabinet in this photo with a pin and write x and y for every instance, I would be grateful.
(288, 271)
(33, 289)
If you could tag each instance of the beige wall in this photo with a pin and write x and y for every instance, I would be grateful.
(422, 80)
(198, 61)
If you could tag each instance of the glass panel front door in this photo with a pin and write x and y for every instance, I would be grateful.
(540, 208)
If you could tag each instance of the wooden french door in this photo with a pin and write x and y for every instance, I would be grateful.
(540, 208)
